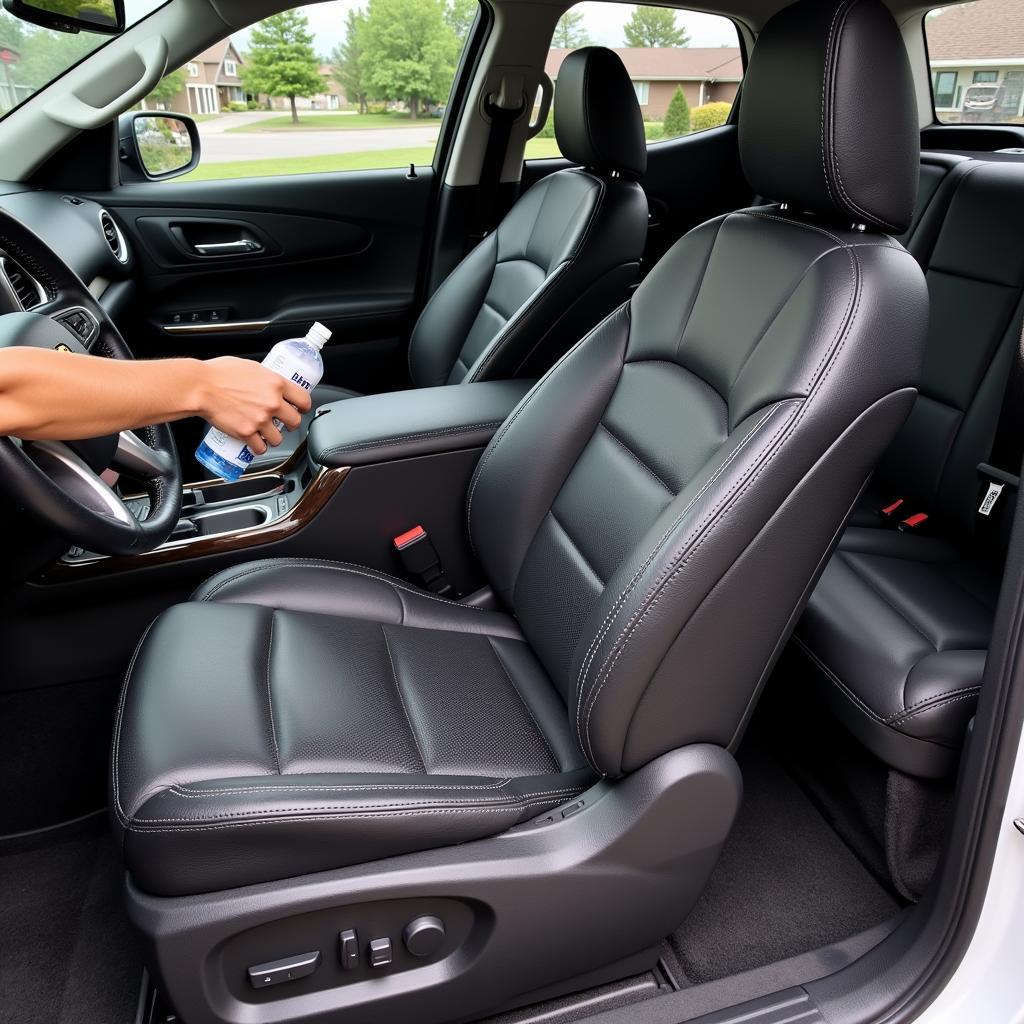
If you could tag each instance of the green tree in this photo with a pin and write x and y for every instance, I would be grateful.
(281, 60)
(460, 14)
(570, 31)
(654, 26)
(347, 60)
(677, 117)
(168, 87)
(46, 54)
(410, 51)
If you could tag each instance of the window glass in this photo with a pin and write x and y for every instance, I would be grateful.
(328, 87)
(685, 66)
(32, 57)
(977, 59)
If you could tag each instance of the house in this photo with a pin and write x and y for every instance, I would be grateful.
(978, 45)
(213, 81)
(705, 74)
(332, 97)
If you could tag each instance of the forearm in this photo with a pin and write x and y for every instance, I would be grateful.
(62, 396)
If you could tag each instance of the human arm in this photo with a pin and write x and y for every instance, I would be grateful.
(46, 394)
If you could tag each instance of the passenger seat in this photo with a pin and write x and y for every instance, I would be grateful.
(900, 621)
(561, 260)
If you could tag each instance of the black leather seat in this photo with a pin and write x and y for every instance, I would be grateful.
(674, 483)
(899, 625)
(562, 258)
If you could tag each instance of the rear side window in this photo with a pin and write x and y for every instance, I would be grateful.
(685, 66)
(976, 52)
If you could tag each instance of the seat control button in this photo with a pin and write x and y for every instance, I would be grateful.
(380, 952)
(291, 968)
(348, 949)
(423, 935)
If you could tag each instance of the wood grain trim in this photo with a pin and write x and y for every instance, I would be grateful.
(320, 490)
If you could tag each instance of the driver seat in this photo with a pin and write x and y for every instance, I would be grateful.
(652, 517)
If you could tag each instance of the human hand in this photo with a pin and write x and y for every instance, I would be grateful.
(242, 398)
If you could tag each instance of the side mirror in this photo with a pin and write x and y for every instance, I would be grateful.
(156, 146)
(105, 17)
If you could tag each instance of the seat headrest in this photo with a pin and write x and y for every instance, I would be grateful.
(828, 116)
(597, 116)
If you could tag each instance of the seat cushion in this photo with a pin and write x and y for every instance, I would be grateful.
(299, 716)
(899, 626)
(322, 395)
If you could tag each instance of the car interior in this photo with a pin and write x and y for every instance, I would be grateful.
(622, 636)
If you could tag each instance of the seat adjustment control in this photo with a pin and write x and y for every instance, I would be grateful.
(380, 952)
(348, 949)
(291, 968)
(423, 935)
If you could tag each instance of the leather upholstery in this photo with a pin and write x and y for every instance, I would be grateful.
(677, 479)
(402, 424)
(597, 119)
(366, 719)
(563, 257)
(809, 131)
(899, 626)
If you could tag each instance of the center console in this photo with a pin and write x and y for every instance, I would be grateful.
(404, 458)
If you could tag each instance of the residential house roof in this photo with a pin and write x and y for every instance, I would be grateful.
(216, 54)
(671, 63)
(990, 30)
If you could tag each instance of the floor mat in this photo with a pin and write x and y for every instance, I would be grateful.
(67, 950)
(785, 884)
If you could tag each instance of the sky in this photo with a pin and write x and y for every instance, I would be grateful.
(604, 22)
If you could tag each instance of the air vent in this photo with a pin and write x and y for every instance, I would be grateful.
(28, 290)
(112, 235)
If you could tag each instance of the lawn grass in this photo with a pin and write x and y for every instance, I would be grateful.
(369, 160)
(335, 122)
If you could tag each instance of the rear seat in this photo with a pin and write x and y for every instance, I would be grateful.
(899, 623)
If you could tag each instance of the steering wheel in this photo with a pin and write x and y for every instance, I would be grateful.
(60, 482)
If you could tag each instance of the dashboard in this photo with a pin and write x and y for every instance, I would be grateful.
(84, 234)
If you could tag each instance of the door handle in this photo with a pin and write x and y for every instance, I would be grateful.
(239, 247)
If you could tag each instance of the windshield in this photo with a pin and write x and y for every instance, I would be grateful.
(31, 58)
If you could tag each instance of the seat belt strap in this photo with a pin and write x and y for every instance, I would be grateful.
(503, 112)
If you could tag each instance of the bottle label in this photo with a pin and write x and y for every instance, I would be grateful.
(229, 448)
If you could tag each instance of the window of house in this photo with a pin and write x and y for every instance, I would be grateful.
(977, 63)
(685, 66)
(348, 77)
(193, 70)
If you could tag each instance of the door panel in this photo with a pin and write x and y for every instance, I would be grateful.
(231, 267)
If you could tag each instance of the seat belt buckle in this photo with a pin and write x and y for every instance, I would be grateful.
(997, 480)
(890, 514)
(421, 560)
(914, 523)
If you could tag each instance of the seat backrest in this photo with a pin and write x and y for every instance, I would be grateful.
(657, 508)
(564, 256)
(975, 272)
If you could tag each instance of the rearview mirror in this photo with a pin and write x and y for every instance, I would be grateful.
(155, 146)
(103, 16)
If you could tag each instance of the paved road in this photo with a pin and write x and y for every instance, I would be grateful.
(220, 146)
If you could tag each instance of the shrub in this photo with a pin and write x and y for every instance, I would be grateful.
(711, 115)
(654, 130)
(253, 105)
(237, 106)
(677, 118)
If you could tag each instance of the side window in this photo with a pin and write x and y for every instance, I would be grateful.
(685, 66)
(977, 63)
(326, 87)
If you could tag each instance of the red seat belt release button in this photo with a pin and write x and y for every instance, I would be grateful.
(421, 560)
(914, 522)
(890, 510)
